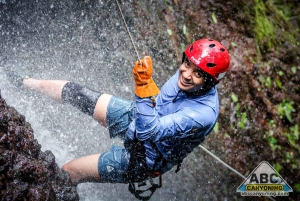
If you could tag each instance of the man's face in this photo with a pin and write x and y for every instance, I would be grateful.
(190, 77)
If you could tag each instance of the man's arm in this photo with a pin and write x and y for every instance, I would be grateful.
(184, 123)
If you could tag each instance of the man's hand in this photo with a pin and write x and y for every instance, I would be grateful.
(142, 73)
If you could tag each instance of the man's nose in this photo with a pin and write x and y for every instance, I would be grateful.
(188, 73)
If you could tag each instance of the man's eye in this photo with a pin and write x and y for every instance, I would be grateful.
(199, 74)
(187, 63)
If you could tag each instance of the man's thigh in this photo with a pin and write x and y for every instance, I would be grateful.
(113, 165)
(119, 115)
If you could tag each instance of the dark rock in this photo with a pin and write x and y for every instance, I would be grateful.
(27, 173)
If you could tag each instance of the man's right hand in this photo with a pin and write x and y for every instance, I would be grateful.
(142, 73)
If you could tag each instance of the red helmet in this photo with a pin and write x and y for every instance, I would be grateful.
(210, 56)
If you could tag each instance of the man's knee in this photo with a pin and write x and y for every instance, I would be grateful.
(80, 97)
(75, 178)
(66, 167)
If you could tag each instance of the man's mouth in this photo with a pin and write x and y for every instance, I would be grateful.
(186, 84)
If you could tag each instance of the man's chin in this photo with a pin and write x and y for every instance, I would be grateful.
(184, 88)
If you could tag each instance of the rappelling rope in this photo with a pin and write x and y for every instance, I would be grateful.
(137, 54)
(203, 148)
(229, 167)
(223, 163)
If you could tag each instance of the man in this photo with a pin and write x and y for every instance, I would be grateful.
(161, 130)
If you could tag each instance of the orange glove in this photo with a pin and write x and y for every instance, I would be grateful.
(144, 84)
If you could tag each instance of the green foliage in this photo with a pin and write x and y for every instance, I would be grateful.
(285, 109)
(277, 167)
(227, 135)
(186, 33)
(294, 69)
(273, 143)
(268, 82)
(184, 29)
(234, 44)
(216, 127)
(243, 120)
(264, 28)
(214, 18)
(297, 187)
(288, 157)
(234, 97)
(293, 137)
(272, 25)
(241, 115)
(271, 139)
(278, 83)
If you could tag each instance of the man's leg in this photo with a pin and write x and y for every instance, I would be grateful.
(80, 97)
(51, 88)
(83, 169)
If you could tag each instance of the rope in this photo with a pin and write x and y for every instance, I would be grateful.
(229, 167)
(207, 151)
(131, 39)
(223, 163)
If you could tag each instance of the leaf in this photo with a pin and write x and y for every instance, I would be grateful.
(297, 187)
(234, 98)
(278, 82)
(272, 140)
(288, 115)
(214, 18)
(268, 82)
(216, 127)
(244, 117)
(169, 31)
(278, 167)
(296, 132)
(280, 73)
(241, 124)
(294, 69)
(185, 30)
(235, 45)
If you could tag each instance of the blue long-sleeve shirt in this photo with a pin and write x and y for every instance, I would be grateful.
(176, 127)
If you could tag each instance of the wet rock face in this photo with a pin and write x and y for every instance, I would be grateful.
(27, 173)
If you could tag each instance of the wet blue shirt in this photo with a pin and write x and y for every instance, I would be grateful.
(176, 127)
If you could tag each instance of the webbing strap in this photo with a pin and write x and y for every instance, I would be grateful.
(138, 171)
(137, 193)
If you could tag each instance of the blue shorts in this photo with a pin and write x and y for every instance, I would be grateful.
(113, 164)
(120, 113)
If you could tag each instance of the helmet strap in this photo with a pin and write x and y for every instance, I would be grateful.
(199, 92)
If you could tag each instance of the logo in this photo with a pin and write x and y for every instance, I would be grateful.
(264, 180)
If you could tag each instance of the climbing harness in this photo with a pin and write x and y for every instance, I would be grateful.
(138, 156)
(139, 172)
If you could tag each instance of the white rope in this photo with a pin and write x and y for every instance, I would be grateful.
(218, 159)
(137, 54)
(229, 167)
